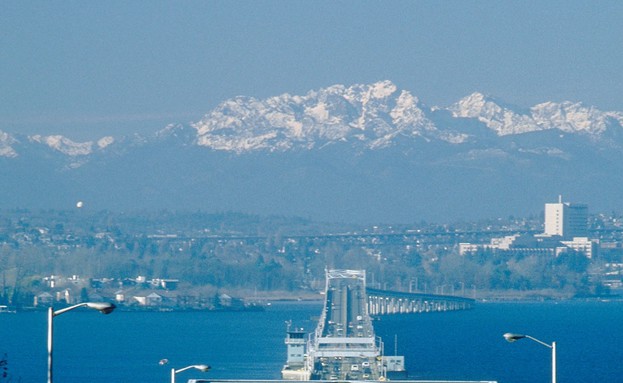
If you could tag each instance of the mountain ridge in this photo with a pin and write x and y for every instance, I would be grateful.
(365, 152)
(370, 115)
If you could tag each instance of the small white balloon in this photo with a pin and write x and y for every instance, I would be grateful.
(79, 204)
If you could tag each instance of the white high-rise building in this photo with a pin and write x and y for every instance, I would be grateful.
(566, 220)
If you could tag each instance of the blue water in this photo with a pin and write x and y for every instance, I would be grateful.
(467, 345)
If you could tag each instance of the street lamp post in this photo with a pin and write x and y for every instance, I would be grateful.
(200, 367)
(103, 307)
(513, 337)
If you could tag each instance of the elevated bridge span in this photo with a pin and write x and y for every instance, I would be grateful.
(344, 346)
(385, 302)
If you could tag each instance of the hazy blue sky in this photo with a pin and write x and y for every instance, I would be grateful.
(87, 69)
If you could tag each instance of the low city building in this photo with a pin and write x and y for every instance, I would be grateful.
(563, 224)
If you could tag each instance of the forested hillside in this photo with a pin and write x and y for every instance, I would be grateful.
(273, 256)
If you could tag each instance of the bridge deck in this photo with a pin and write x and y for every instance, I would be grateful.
(344, 345)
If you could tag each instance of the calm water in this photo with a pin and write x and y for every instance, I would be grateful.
(126, 346)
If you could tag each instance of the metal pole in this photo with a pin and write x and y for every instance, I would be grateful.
(50, 329)
(510, 337)
(553, 362)
(172, 375)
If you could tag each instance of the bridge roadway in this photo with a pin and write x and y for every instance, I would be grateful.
(344, 346)
(383, 302)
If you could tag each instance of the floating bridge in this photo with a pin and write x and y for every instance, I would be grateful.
(344, 346)
(384, 302)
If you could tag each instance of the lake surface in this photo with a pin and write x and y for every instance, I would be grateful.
(464, 345)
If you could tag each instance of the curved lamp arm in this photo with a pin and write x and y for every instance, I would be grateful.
(103, 307)
(510, 337)
(200, 367)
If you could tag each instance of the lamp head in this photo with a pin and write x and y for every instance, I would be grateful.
(202, 367)
(510, 337)
(103, 307)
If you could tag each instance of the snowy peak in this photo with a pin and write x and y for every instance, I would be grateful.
(69, 147)
(502, 120)
(12, 147)
(6, 142)
(573, 117)
(567, 116)
(369, 116)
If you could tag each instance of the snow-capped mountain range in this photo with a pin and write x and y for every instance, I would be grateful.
(374, 115)
(330, 135)
(369, 116)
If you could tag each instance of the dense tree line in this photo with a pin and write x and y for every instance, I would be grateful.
(250, 254)
(294, 267)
